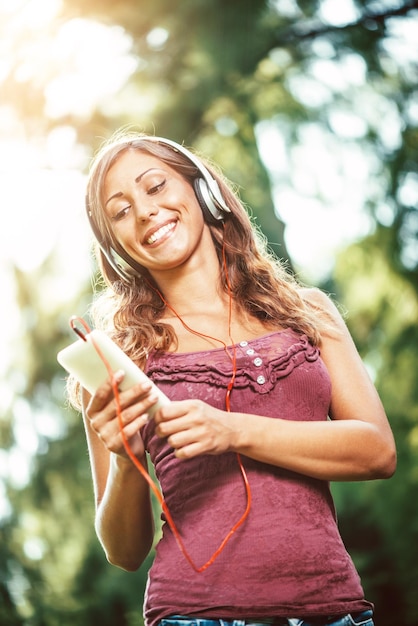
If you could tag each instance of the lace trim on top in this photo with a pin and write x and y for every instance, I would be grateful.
(260, 362)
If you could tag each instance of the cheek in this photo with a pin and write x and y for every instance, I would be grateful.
(196, 213)
(124, 235)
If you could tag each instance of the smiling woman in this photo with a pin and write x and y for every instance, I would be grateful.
(259, 421)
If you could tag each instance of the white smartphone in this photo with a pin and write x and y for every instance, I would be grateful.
(82, 360)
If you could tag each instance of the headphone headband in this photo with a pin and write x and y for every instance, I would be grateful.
(207, 192)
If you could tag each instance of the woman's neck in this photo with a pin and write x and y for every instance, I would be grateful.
(193, 289)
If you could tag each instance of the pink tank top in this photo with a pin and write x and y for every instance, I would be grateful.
(287, 559)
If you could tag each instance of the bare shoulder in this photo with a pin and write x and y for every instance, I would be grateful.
(323, 302)
(317, 298)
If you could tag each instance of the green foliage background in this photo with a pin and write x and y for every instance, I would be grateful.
(225, 69)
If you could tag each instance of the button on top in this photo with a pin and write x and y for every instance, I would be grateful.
(243, 344)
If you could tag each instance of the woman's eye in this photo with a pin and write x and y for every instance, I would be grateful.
(156, 188)
(121, 214)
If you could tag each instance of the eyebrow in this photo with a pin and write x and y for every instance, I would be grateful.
(118, 194)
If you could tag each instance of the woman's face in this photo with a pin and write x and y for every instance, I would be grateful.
(154, 213)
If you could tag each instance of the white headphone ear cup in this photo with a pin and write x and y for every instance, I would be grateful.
(211, 211)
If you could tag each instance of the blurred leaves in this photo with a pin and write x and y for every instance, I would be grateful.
(383, 315)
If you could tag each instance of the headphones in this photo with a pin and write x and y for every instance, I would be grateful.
(207, 193)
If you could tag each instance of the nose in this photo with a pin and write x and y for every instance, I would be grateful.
(145, 210)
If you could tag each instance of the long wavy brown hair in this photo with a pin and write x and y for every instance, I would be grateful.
(130, 308)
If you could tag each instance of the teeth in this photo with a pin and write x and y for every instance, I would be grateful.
(160, 233)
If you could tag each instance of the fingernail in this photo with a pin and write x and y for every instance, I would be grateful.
(144, 419)
(119, 375)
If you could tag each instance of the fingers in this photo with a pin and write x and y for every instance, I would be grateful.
(192, 427)
(113, 437)
(178, 417)
(104, 401)
(107, 416)
(105, 393)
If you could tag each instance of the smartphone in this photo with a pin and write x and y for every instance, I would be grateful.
(84, 360)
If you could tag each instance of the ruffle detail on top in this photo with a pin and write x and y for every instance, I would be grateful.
(260, 362)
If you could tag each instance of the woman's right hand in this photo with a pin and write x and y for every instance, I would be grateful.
(102, 415)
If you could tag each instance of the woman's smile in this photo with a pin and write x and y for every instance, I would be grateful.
(162, 232)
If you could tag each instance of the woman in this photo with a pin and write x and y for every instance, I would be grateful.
(269, 402)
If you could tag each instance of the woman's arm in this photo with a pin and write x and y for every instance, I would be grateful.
(124, 521)
(355, 444)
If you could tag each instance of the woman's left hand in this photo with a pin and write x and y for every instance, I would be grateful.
(193, 427)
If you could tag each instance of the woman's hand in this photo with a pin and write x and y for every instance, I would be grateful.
(102, 415)
(193, 427)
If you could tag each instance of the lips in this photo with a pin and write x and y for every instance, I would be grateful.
(159, 233)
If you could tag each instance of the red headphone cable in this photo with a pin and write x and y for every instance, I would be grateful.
(139, 465)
